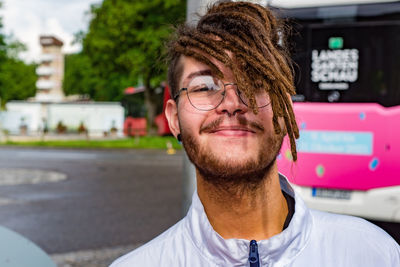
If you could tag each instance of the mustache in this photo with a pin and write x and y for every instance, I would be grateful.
(241, 120)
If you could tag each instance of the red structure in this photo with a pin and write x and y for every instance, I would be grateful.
(135, 114)
(135, 126)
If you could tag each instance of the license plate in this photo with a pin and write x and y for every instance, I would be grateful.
(331, 193)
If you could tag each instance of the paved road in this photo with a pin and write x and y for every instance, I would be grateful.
(110, 199)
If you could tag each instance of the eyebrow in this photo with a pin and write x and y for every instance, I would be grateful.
(198, 73)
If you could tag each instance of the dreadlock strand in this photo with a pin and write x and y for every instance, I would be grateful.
(291, 125)
(245, 84)
(275, 110)
(244, 7)
(238, 47)
(219, 55)
(265, 17)
(284, 74)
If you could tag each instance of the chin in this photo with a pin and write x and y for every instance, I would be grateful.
(233, 156)
(231, 146)
(229, 161)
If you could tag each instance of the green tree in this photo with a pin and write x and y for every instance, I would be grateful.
(3, 50)
(124, 43)
(78, 75)
(17, 79)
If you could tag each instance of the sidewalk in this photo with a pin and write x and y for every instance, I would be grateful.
(53, 137)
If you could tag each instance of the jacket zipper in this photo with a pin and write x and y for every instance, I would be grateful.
(253, 254)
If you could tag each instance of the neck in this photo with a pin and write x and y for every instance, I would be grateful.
(245, 212)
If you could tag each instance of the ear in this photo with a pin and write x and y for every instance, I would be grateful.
(171, 112)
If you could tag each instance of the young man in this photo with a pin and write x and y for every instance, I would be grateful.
(231, 80)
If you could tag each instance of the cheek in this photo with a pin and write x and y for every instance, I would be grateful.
(265, 116)
(190, 119)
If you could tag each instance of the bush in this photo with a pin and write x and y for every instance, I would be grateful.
(61, 128)
(82, 128)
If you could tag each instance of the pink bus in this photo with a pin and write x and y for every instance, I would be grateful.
(348, 109)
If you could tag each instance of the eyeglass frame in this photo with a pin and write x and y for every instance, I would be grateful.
(238, 93)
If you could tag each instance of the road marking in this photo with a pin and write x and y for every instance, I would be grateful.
(18, 176)
(91, 258)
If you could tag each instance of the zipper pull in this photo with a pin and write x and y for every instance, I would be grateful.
(253, 254)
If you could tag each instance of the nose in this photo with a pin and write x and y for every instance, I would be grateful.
(231, 103)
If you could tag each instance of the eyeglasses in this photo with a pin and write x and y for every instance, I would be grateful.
(207, 93)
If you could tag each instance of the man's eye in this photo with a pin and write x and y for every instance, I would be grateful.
(204, 89)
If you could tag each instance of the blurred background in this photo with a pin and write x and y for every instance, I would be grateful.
(88, 167)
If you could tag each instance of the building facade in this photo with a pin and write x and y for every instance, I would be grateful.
(50, 107)
(50, 71)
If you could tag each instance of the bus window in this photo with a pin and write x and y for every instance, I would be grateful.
(362, 68)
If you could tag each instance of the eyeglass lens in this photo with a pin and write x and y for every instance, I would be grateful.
(206, 93)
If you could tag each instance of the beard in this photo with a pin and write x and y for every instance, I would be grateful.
(232, 174)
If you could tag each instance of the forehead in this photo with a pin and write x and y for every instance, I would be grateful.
(190, 66)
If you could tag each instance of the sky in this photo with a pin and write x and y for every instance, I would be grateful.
(26, 20)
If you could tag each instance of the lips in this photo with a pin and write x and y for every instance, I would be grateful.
(231, 129)
(238, 126)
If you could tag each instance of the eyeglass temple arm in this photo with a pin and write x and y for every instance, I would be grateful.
(178, 93)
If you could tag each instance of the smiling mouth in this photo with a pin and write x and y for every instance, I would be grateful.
(232, 131)
(240, 127)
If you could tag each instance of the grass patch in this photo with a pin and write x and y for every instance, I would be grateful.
(145, 142)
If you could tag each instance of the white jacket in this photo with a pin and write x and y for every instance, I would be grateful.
(313, 238)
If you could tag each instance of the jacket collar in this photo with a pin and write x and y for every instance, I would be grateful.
(281, 248)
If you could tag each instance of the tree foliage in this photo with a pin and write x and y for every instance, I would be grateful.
(123, 47)
(78, 75)
(17, 79)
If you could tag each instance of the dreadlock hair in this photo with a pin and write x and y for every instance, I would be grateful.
(260, 58)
